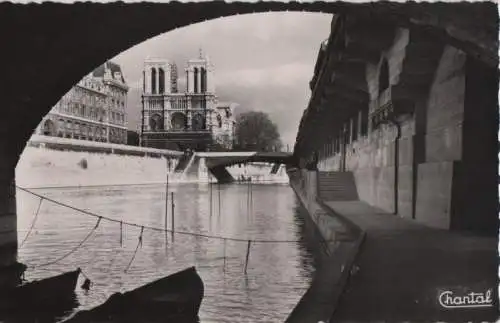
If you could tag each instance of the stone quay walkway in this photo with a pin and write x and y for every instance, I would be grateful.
(402, 270)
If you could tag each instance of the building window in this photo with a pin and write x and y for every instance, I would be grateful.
(203, 79)
(161, 76)
(153, 80)
(195, 80)
(156, 123)
(178, 121)
(198, 122)
(219, 120)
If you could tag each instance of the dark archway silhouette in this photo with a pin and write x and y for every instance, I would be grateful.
(179, 121)
(153, 80)
(203, 80)
(49, 128)
(195, 78)
(156, 122)
(161, 81)
(198, 122)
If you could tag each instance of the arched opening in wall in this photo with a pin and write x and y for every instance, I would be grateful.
(161, 78)
(178, 121)
(69, 129)
(219, 121)
(195, 79)
(153, 80)
(383, 79)
(203, 80)
(156, 122)
(49, 128)
(198, 122)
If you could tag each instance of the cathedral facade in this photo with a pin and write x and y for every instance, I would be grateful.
(192, 119)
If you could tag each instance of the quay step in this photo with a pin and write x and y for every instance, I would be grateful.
(337, 186)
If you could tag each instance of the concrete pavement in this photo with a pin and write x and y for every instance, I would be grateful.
(403, 267)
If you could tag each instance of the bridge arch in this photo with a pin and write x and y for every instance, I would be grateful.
(33, 84)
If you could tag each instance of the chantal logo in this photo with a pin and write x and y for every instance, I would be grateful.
(448, 299)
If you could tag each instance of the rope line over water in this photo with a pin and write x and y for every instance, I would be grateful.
(32, 223)
(139, 244)
(72, 250)
(131, 224)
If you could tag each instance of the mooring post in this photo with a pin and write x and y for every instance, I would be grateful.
(218, 190)
(248, 194)
(173, 215)
(224, 268)
(210, 189)
(251, 193)
(166, 205)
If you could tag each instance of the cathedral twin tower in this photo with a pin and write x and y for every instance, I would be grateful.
(179, 120)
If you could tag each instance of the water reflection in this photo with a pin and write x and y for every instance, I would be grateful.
(277, 275)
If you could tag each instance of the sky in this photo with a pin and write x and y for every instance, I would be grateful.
(263, 62)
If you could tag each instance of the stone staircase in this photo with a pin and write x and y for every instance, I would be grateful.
(337, 186)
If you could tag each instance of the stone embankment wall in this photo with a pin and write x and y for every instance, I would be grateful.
(42, 167)
(445, 150)
(304, 183)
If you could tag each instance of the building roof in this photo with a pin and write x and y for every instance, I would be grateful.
(100, 71)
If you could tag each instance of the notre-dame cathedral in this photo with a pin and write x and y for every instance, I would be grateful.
(191, 119)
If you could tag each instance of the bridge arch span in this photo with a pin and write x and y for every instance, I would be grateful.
(87, 34)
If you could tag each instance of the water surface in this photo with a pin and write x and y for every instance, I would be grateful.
(277, 275)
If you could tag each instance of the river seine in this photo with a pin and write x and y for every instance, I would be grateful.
(278, 273)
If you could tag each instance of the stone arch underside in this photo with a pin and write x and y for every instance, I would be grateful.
(95, 32)
(66, 54)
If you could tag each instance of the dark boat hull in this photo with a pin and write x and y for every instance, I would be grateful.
(176, 298)
(42, 293)
(40, 300)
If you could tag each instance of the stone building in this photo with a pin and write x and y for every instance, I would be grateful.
(412, 117)
(116, 88)
(192, 119)
(94, 109)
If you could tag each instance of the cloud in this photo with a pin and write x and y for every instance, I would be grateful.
(281, 75)
(262, 61)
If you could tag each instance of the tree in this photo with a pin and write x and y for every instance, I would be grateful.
(256, 132)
